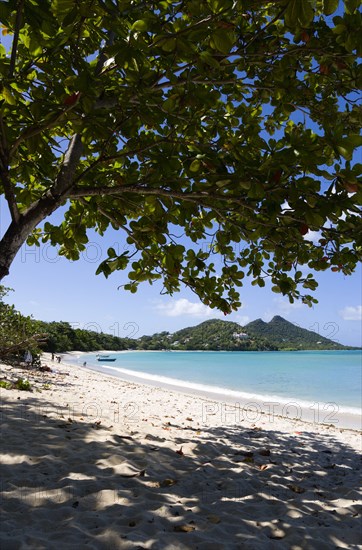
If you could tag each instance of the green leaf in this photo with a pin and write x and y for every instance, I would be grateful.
(209, 59)
(223, 41)
(169, 105)
(140, 25)
(8, 96)
(351, 5)
(299, 12)
(195, 165)
(169, 44)
(339, 29)
(330, 6)
(60, 8)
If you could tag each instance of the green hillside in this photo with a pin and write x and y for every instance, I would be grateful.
(213, 335)
(286, 335)
(278, 334)
(209, 335)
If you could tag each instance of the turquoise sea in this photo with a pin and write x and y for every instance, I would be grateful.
(307, 377)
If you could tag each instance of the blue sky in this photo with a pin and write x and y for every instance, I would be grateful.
(52, 288)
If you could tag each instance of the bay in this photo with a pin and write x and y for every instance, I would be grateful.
(307, 376)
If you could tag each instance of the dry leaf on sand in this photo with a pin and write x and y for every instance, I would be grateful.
(183, 528)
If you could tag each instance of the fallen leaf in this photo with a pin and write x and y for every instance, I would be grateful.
(263, 467)
(264, 452)
(296, 488)
(189, 419)
(213, 519)
(183, 528)
(167, 482)
(244, 453)
(180, 452)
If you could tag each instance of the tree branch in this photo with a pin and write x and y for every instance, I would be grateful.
(9, 192)
(190, 28)
(128, 153)
(4, 175)
(191, 197)
(14, 49)
(65, 178)
(37, 129)
(27, 342)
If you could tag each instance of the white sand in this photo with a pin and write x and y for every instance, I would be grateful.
(91, 461)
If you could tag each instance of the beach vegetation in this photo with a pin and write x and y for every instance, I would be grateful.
(18, 332)
(23, 384)
(218, 137)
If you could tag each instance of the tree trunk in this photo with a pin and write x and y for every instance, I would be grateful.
(10, 244)
(18, 232)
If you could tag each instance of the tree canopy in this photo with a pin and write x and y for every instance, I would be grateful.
(183, 122)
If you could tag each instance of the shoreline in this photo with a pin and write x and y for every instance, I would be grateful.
(236, 403)
(93, 460)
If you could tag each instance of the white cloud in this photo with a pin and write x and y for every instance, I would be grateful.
(351, 313)
(177, 308)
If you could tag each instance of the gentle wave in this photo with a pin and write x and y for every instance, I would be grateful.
(261, 398)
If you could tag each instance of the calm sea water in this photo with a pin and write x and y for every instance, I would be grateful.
(306, 376)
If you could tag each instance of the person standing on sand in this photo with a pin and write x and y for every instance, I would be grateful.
(28, 358)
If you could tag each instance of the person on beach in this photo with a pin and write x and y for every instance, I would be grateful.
(28, 358)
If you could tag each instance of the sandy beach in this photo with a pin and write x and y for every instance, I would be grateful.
(93, 461)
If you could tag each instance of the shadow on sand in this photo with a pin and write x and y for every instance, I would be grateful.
(77, 484)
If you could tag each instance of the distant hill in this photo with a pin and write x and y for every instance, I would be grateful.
(286, 335)
(213, 335)
(210, 335)
(278, 334)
